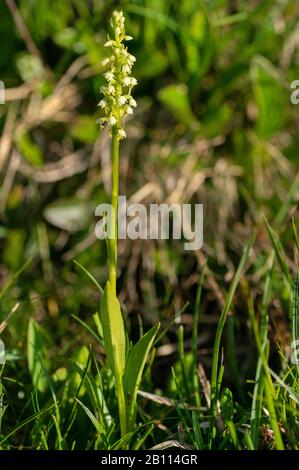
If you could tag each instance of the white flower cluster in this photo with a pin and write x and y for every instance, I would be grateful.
(117, 102)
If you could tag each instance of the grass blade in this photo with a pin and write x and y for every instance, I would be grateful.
(134, 369)
(221, 323)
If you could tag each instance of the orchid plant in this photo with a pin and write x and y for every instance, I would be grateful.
(125, 360)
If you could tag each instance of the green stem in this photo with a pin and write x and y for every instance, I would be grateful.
(112, 257)
(112, 242)
(121, 407)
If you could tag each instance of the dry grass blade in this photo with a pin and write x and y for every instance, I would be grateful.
(68, 166)
(167, 401)
(168, 445)
(4, 323)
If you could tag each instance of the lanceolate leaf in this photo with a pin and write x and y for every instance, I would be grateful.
(136, 362)
(113, 332)
(37, 361)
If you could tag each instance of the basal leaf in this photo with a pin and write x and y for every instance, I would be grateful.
(113, 331)
(136, 362)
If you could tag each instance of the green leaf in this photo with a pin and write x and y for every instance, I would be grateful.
(66, 38)
(197, 431)
(29, 66)
(71, 214)
(13, 254)
(89, 275)
(37, 362)
(152, 68)
(140, 441)
(134, 370)
(80, 358)
(29, 150)
(136, 362)
(84, 129)
(176, 99)
(227, 405)
(113, 332)
(90, 415)
(270, 96)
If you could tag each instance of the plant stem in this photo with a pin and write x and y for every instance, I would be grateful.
(112, 241)
(112, 256)
(122, 408)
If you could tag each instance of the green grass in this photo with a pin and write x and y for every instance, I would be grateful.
(64, 401)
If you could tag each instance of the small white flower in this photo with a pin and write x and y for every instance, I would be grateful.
(109, 76)
(102, 104)
(109, 43)
(105, 61)
(126, 69)
(131, 58)
(122, 100)
(129, 110)
(110, 89)
(112, 121)
(133, 102)
(130, 81)
(128, 38)
(101, 121)
(122, 134)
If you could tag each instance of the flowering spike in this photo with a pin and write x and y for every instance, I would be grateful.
(117, 102)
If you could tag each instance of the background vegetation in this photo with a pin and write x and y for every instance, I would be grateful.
(214, 125)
